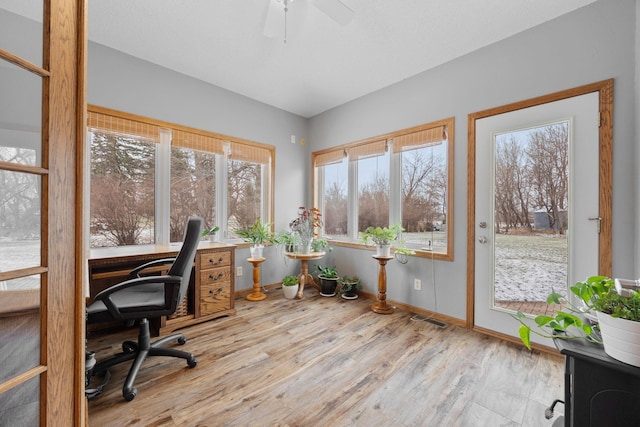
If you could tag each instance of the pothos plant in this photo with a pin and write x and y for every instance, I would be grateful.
(595, 294)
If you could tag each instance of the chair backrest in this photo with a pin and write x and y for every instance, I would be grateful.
(184, 261)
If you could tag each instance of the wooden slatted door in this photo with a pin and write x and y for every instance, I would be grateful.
(41, 334)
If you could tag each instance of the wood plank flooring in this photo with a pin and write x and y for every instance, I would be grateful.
(331, 362)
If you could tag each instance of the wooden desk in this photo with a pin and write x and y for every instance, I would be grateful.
(211, 291)
(304, 269)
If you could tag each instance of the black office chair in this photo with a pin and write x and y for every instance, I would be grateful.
(142, 298)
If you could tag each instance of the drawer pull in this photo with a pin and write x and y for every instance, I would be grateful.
(218, 276)
(213, 262)
(218, 292)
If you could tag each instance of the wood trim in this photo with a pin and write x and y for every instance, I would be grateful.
(16, 274)
(16, 167)
(605, 89)
(22, 378)
(23, 63)
(81, 414)
(60, 318)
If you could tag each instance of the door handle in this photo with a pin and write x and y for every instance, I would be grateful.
(596, 218)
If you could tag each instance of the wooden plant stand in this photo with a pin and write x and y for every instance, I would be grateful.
(381, 306)
(256, 295)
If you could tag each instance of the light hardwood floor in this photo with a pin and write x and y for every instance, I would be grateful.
(330, 362)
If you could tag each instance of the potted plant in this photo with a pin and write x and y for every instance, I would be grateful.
(211, 232)
(304, 226)
(609, 313)
(382, 237)
(319, 245)
(287, 239)
(349, 287)
(402, 254)
(258, 234)
(290, 286)
(328, 277)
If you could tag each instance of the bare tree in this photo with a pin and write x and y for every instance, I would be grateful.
(549, 153)
(373, 203)
(335, 215)
(244, 192)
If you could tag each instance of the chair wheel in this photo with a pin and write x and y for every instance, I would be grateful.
(192, 362)
(182, 340)
(130, 394)
(129, 346)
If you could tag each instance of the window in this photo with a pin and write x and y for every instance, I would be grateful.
(163, 173)
(401, 178)
(193, 180)
(246, 181)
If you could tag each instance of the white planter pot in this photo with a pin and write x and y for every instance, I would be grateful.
(290, 291)
(383, 250)
(621, 338)
(256, 251)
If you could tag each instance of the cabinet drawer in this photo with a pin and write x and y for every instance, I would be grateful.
(215, 259)
(215, 297)
(215, 275)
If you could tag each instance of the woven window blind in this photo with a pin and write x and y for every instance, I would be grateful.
(420, 139)
(370, 149)
(250, 153)
(198, 142)
(103, 123)
(330, 157)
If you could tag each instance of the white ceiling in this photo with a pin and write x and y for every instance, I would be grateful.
(323, 64)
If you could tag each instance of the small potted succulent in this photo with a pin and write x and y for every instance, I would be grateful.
(290, 286)
(211, 233)
(328, 277)
(349, 287)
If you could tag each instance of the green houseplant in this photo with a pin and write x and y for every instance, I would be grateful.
(603, 300)
(382, 237)
(349, 287)
(210, 232)
(328, 277)
(290, 286)
(258, 234)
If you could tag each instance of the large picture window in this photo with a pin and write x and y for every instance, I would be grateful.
(404, 177)
(147, 177)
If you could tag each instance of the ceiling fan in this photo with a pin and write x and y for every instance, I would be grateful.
(276, 18)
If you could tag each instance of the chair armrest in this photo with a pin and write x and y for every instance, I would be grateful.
(105, 295)
(164, 261)
(136, 282)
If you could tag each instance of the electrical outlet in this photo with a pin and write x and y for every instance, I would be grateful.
(417, 284)
(238, 271)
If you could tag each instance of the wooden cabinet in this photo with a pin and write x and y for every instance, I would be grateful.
(211, 292)
(214, 287)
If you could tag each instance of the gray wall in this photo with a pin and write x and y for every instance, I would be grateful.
(125, 83)
(591, 44)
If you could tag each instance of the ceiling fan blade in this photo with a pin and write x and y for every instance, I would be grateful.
(336, 10)
(274, 19)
